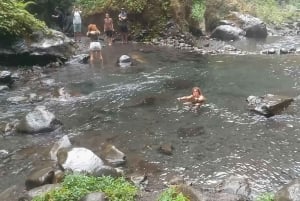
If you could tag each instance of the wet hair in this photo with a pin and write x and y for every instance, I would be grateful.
(197, 89)
(92, 27)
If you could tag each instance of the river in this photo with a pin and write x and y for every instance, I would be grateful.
(220, 139)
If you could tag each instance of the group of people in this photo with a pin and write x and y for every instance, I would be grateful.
(94, 32)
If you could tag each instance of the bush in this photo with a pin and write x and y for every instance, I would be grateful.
(198, 10)
(271, 11)
(15, 20)
(266, 197)
(171, 194)
(76, 186)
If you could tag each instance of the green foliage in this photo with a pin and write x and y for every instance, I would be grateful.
(198, 10)
(76, 186)
(172, 195)
(271, 11)
(16, 21)
(266, 197)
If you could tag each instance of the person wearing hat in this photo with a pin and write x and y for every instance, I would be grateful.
(123, 25)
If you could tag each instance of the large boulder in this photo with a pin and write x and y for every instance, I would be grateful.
(268, 105)
(40, 178)
(38, 49)
(80, 160)
(37, 121)
(227, 33)
(253, 27)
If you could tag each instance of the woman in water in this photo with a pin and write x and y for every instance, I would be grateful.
(196, 98)
(95, 46)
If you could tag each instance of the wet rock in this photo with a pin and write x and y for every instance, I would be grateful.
(268, 105)
(4, 88)
(40, 49)
(166, 149)
(64, 142)
(108, 171)
(42, 190)
(253, 27)
(235, 185)
(6, 78)
(39, 120)
(124, 61)
(79, 59)
(290, 192)
(79, 160)
(227, 33)
(96, 196)
(190, 192)
(39, 178)
(139, 180)
(3, 154)
(190, 132)
(283, 51)
(113, 155)
(17, 99)
(269, 51)
(33, 97)
(176, 180)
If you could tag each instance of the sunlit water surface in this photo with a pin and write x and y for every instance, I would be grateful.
(224, 137)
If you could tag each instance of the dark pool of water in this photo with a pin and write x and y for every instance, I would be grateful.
(220, 139)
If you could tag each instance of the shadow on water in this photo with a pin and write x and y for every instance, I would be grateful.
(137, 111)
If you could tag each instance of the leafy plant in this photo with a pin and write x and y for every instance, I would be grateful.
(171, 194)
(266, 197)
(271, 11)
(16, 21)
(76, 186)
(198, 10)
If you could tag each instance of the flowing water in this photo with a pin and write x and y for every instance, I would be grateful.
(220, 139)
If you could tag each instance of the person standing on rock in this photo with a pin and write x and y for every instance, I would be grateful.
(108, 28)
(123, 26)
(77, 24)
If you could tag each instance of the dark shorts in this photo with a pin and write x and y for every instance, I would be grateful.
(109, 33)
(123, 28)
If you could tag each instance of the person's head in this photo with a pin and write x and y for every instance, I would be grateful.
(122, 10)
(92, 27)
(106, 15)
(196, 91)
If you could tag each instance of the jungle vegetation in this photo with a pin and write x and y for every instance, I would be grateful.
(22, 17)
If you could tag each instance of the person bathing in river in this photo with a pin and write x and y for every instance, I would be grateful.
(108, 28)
(196, 98)
(95, 46)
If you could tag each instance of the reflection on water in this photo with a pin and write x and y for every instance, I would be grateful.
(221, 138)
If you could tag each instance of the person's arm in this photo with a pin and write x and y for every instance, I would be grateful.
(112, 24)
(185, 98)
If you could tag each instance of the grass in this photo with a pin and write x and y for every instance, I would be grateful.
(76, 186)
(265, 197)
(171, 194)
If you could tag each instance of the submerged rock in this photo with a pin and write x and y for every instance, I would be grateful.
(124, 61)
(268, 105)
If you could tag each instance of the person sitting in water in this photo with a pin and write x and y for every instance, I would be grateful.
(95, 46)
(196, 98)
